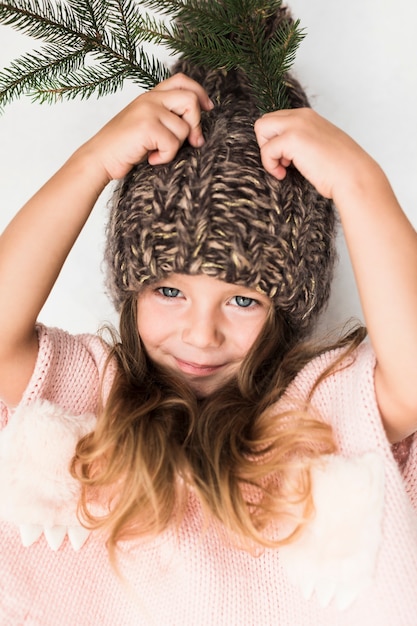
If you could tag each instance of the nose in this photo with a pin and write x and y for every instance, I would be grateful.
(202, 330)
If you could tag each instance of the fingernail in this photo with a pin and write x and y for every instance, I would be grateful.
(200, 141)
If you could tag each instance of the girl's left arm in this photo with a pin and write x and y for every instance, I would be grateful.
(381, 241)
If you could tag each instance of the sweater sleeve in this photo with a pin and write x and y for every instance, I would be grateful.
(410, 471)
(37, 491)
(67, 372)
(358, 427)
(346, 399)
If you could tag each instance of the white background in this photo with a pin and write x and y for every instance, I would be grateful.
(358, 64)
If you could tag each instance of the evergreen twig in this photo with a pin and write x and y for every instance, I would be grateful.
(93, 46)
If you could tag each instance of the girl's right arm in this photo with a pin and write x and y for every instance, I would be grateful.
(36, 243)
(382, 244)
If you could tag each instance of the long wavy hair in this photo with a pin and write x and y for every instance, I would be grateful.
(247, 462)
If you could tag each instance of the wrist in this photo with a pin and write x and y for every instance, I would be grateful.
(366, 181)
(86, 166)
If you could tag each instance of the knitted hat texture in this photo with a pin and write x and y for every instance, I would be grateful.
(216, 211)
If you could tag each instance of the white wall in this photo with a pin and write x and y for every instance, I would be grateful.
(358, 64)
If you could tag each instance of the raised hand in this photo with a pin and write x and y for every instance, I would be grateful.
(152, 126)
(381, 241)
(41, 235)
(325, 155)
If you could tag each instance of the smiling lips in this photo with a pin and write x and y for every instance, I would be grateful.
(195, 369)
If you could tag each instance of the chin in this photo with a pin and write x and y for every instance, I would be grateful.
(205, 387)
(203, 390)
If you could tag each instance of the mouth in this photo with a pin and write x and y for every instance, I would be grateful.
(197, 369)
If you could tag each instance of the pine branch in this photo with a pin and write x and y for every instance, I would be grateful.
(232, 35)
(137, 30)
(98, 80)
(124, 21)
(50, 21)
(32, 71)
(269, 61)
(212, 15)
(89, 41)
(147, 71)
(83, 28)
(203, 48)
(91, 15)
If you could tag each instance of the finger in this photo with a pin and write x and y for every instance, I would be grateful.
(271, 125)
(181, 81)
(187, 106)
(175, 123)
(274, 160)
(166, 148)
(277, 170)
(164, 151)
(195, 135)
(163, 138)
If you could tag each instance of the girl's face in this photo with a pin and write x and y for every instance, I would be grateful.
(200, 327)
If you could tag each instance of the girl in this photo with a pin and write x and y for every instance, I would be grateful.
(230, 471)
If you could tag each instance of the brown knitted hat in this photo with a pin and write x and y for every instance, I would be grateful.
(215, 210)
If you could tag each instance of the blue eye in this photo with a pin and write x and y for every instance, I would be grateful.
(244, 301)
(169, 292)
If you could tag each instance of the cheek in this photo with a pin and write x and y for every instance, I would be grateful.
(153, 324)
(145, 323)
(247, 334)
(145, 334)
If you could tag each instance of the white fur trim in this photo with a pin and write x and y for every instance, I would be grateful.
(37, 491)
(336, 554)
(29, 533)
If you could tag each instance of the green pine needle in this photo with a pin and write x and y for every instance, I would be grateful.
(28, 74)
(50, 21)
(92, 46)
(86, 82)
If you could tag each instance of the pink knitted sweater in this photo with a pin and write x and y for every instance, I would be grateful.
(356, 564)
